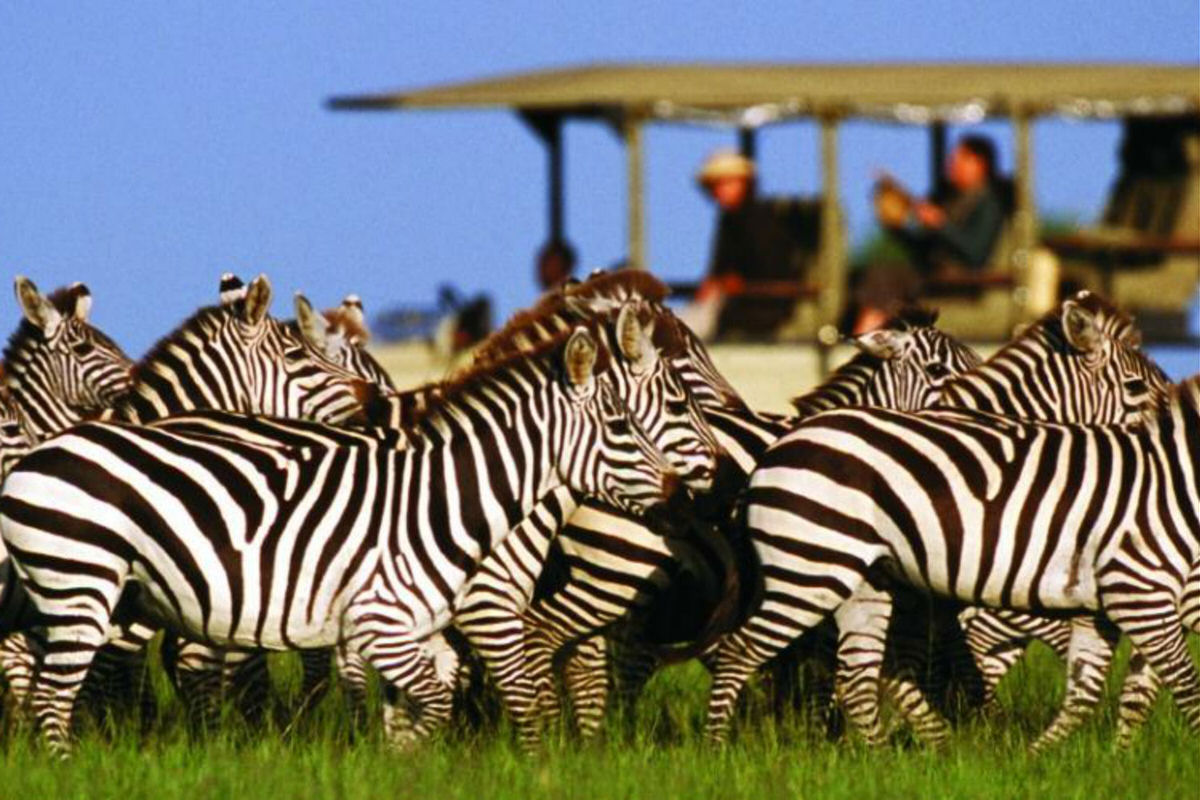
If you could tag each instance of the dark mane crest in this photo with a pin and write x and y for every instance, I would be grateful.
(621, 284)
(912, 317)
(439, 394)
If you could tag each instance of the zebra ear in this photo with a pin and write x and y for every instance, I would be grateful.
(258, 301)
(579, 358)
(36, 308)
(83, 301)
(1080, 327)
(232, 289)
(884, 343)
(633, 339)
(313, 326)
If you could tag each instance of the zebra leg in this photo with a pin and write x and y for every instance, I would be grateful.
(787, 613)
(195, 671)
(1138, 694)
(1089, 655)
(315, 680)
(633, 664)
(246, 678)
(498, 636)
(352, 677)
(863, 623)
(585, 678)
(1159, 638)
(65, 651)
(419, 703)
(17, 662)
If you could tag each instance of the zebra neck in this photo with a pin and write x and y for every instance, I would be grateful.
(851, 385)
(40, 410)
(1024, 380)
(484, 458)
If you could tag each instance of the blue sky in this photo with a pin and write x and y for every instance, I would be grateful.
(147, 149)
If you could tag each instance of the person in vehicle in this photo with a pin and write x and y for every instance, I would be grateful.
(952, 234)
(757, 240)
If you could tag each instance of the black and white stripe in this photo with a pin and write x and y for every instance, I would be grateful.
(941, 501)
(357, 547)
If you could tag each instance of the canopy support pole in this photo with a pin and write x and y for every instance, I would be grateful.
(937, 157)
(831, 256)
(631, 132)
(748, 142)
(1025, 223)
(549, 128)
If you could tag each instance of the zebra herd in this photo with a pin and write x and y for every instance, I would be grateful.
(588, 500)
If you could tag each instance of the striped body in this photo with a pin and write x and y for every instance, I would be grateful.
(940, 501)
(310, 547)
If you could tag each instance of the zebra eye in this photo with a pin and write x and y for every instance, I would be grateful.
(82, 348)
(937, 370)
(294, 354)
(1136, 386)
(677, 408)
(619, 427)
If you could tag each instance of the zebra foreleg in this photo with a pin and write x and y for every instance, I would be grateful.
(1089, 655)
(499, 638)
(1160, 639)
(1138, 693)
(418, 702)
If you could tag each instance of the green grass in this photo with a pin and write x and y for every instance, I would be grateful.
(660, 757)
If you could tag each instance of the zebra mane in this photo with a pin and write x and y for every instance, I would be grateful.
(619, 286)
(601, 296)
(65, 300)
(439, 395)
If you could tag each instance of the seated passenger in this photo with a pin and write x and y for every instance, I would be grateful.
(947, 236)
(757, 240)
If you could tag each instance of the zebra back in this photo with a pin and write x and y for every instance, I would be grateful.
(1080, 363)
(901, 366)
(236, 357)
(59, 369)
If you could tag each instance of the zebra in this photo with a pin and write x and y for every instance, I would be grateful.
(899, 365)
(58, 370)
(943, 501)
(232, 356)
(1080, 364)
(487, 613)
(347, 546)
(658, 402)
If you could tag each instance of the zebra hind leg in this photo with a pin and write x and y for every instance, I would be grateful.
(1138, 694)
(1159, 639)
(863, 623)
(17, 662)
(585, 680)
(64, 653)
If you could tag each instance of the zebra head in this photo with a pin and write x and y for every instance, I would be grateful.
(340, 335)
(901, 366)
(657, 397)
(60, 369)
(602, 452)
(1120, 383)
(605, 291)
(236, 357)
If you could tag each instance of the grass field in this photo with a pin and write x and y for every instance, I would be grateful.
(660, 756)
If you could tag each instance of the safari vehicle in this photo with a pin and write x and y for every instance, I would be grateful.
(1144, 253)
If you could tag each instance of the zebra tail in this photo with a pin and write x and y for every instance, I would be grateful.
(738, 598)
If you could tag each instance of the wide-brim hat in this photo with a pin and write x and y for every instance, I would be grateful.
(724, 164)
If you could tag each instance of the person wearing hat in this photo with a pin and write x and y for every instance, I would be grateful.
(757, 239)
